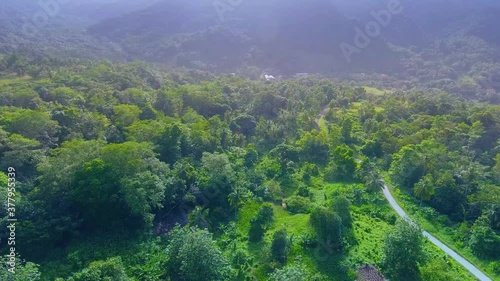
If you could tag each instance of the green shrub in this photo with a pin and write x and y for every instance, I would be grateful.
(495, 266)
(298, 204)
(303, 191)
(328, 226)
(259, 224)
(111, 269)
(280, 246)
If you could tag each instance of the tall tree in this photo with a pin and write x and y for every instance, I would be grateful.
(407, 167)
(403, 251)
(342, 206)
(194, 256)
(328, 226)
(424, 189)
(280, 246)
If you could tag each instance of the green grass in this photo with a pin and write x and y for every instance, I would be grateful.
(323, 124)
(11, 80)
(375, 91)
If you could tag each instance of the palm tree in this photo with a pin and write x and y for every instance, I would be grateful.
(199, 218)
(236, 197)
(424, 189)
(374, 181)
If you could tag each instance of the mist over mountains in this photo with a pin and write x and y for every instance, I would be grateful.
(446, 44)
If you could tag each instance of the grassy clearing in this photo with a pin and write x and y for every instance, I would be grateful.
(375, 91)
(12, 80)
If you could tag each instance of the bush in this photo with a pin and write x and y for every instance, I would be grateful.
(111, 269)
(280, 246)
(495, 266)
(271, 190)
(298, 204)
(295, 273)
(303, 191)
(256, 232)
(195, 256)
(483, 241)
(403, 251)
(342, 207)
(437, 270)
(259, 224)
(328, 226)
(26, 272)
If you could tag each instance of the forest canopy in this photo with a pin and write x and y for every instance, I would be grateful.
(125, 172)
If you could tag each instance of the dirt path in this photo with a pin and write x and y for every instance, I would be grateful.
(321, 116)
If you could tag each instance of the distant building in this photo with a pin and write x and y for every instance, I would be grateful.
(269, 77)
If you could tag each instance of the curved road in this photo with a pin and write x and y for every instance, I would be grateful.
(388, 195)
(469, 266)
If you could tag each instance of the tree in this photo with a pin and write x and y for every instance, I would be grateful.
(449, 197)
(496, 168)
(218, 179)
(22, 153)
(261, 223)
(438, 270)
(280, 246)
(424, 189)
(373, 148)
(407, 167)
(347, 130)
(125, 115)
(172, 143)
(251, 156)
(236, 197)
(343, 166)
(328, 226)
(342, 206)
(483, 241)
(67, 96)
(108, 270)
(24, 272)
(314, 147)
(199, 218)
(103, 185)
(194, 256)
(244, 124)
(145, 130)
(32, 125)
(403, 251)
(295, 272)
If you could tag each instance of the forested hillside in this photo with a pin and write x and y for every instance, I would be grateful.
(438, 45)
(128, 172)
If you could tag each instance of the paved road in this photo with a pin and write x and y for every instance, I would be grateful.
(470, 267)
(388, 195)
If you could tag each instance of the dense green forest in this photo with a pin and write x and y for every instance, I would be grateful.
(127, 172)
